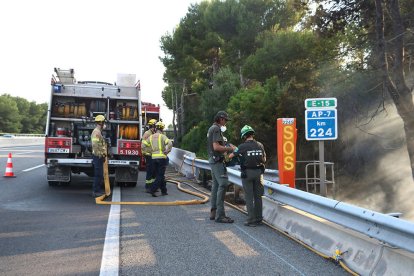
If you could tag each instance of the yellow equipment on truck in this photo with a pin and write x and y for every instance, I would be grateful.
(72, 108)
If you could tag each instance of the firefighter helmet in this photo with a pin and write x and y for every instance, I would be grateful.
(246, 130)
(152, 122)
(100, 118)
(160, 125)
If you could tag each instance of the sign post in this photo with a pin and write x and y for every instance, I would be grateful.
(286, 150)
(321, 124)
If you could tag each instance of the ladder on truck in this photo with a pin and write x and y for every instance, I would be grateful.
(65, 76)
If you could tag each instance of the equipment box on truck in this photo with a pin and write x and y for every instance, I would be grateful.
(70, 121)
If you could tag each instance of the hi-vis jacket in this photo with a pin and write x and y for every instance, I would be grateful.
(98, 143)
(146, 150)
(158, 144)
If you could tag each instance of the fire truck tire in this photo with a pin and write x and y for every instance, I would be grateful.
(53, 183)
(58, 183)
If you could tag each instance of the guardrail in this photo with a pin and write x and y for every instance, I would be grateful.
(21, 135)
(393, 231)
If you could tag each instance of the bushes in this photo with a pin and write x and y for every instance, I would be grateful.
(196, 140)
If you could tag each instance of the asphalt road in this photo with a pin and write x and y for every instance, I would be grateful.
(60, 231)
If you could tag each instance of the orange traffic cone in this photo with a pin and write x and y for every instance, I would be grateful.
(9, 167)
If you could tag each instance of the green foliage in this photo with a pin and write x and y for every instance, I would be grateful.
(9, 114)
(196, 139)
(20, 116)
(285, 54)
(226, 84)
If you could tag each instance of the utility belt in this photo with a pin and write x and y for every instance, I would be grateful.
(244, 168)
(218, 159)
(254, 168)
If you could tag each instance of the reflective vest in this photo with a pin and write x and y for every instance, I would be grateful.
(145, 149)
(98, 143)
(158, 144)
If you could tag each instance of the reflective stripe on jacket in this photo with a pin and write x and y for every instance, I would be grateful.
(98, 143)
(159, 144)
(146, 149)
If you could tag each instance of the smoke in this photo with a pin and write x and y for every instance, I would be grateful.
(375, 171)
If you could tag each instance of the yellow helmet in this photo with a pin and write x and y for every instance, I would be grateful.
(152, 122)
(100, 118)
(160, 125)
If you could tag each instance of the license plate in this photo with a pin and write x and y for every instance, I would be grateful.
(58, 150)
(128, 152)
(118, 162)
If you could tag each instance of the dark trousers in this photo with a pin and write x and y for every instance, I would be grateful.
(160, 165)
(98, 173)
(253, 191)
(150, 173)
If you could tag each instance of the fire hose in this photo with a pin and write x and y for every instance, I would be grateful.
(101, 199)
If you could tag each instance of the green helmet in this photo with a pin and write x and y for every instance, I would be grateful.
(245, 130)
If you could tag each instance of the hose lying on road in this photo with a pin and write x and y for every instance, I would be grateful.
(204, 198)
(101, 200)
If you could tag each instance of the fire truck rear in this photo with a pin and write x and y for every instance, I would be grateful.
(70, 121)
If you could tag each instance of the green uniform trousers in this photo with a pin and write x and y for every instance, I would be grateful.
(219, 188)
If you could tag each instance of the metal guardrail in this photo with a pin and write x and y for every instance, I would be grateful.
(393, 231)
(21, 135)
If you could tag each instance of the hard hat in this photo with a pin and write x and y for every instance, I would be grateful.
(100, 118)
(152, 122)
(223, 114)
(245, 130)
(160, 125)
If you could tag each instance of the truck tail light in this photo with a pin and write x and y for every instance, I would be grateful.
(58, 145)
(129, 147)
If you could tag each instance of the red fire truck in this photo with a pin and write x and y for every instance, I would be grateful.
(72, 108)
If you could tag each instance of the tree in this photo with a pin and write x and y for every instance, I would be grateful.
(9, 114)
(382, 42)
(393, 79)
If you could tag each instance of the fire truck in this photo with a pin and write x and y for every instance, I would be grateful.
(72, 108)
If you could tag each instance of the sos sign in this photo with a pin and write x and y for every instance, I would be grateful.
(286, 150)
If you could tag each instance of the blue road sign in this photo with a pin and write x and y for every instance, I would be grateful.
(321, 124)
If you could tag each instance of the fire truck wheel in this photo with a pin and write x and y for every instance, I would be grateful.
(53, 183)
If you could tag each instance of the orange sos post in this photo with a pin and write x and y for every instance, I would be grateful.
(286, 150)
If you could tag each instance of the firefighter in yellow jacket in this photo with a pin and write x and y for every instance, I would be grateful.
(99, 152)
(150, 173)
(159, 145)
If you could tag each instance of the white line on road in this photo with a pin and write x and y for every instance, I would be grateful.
(33, 168)
(110, 255)
(24, 152)
(271, 251)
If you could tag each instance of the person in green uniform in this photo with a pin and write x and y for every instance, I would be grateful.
(216, 149)
(252, 158)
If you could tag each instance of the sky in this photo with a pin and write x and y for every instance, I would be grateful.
(98, 39)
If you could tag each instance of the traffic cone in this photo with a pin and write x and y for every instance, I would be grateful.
(9, 167)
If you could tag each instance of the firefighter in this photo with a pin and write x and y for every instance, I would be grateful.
(159, 145)
(150, 174)
(99, 152)
(252, 158)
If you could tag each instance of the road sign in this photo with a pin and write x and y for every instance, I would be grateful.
(321, 124)
(320, 103)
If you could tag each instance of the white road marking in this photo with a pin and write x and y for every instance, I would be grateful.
(24, 152)
(110, 255)
(33, 168)
(271, 251)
